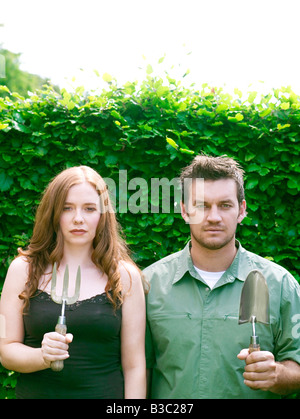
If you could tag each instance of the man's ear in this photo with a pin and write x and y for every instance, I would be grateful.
(184, 213)
(242, 211)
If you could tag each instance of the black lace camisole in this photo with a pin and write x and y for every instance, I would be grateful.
(93, 370)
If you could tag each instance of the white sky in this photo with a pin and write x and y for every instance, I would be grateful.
(232, 43)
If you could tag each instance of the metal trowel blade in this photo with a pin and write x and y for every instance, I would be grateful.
(254, 299)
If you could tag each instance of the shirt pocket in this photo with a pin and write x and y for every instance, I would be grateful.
(229, 330)
(176, 344)
(174, 331)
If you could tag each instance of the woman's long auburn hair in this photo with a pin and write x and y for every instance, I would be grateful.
(46, 244)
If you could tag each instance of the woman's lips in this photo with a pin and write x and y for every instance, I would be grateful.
(78, 232)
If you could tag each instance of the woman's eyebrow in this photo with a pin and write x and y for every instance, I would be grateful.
(85, 203)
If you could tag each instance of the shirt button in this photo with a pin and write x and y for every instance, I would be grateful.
(207, 289)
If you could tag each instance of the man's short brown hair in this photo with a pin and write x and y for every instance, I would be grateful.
(215, 168)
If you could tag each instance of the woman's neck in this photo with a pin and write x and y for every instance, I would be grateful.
(77, 255)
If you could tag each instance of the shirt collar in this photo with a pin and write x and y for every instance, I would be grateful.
(239, 268)
(184, 263)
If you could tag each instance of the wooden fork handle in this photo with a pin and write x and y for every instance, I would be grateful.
(59, 365)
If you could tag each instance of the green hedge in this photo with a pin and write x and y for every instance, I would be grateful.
(152, 130)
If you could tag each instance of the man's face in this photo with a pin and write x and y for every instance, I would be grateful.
(213, 212)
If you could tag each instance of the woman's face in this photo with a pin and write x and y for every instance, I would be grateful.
(80, 216)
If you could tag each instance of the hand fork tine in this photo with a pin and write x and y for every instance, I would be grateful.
(65, 284)
(59, 299)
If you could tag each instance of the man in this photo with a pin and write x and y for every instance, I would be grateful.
(195, 346)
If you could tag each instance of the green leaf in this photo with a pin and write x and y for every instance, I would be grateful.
(264, 171)
(25, 183)
(5, 181)
(238, 92)
(115, 114)
(250, 184)
(249, 155)
(222, 107)
(186, 151)
(161, 59)
(253, 167)
(238, 117)
(107, 77)
(265, 112)
(161, 90)
(15, 94)
(285, 105)
(4, 89)
(111, 160)
(149, 69)
(21, 127)
(280, 127)
(172, 143)
(70, 105)
(292, 184)
(186, 73)
(252, 96)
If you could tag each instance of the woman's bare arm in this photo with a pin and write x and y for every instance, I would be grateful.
(133, 335)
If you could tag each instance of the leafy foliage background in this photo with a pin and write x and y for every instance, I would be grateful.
(152, 130)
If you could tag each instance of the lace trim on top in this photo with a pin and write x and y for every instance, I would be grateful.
(99, 298)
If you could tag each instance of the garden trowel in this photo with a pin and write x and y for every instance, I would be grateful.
(254, 305)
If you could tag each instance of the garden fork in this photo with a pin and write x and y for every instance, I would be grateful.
(64, 299)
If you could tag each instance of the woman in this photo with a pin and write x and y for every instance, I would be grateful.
(103, 351)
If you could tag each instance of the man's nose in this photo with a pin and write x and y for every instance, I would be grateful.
(213, 214)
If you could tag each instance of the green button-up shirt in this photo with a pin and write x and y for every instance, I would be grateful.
(193, 335)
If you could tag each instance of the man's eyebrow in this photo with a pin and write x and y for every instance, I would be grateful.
(222, 201)
(227, 200)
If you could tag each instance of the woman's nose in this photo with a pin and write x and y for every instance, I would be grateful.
(78, 218)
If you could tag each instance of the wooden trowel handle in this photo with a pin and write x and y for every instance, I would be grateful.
(62, 330)
(254, 344)
(253, 347)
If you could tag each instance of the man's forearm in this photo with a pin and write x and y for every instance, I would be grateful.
(288, 378)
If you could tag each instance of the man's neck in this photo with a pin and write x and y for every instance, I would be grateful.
(216, 260)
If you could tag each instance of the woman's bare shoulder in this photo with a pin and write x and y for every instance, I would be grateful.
(19, 264)
(130, 275)
(17, 273)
